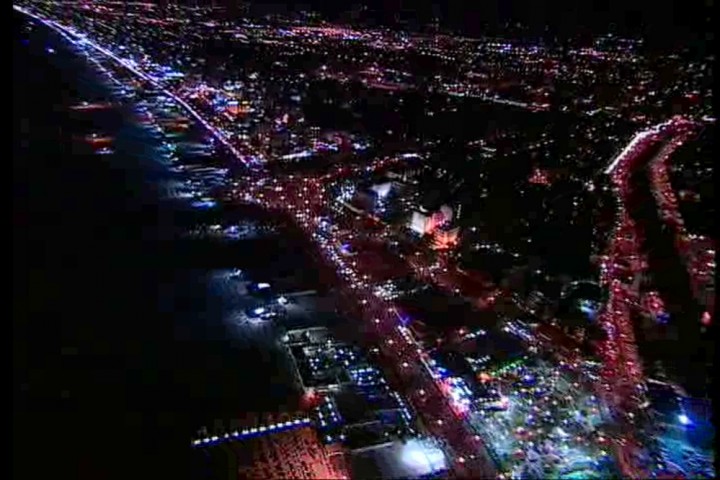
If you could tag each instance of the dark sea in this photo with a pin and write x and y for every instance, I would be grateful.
(121, 344)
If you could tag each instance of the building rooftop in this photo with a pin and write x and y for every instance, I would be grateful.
(416, 458)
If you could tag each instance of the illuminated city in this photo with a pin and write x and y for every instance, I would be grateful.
(489, 256)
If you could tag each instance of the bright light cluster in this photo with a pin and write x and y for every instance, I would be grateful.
(252, 432)
(544, 421)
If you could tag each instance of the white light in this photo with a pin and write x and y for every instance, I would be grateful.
(683, 419)
(422, 457)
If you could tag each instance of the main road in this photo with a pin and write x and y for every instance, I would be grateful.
(622, 384)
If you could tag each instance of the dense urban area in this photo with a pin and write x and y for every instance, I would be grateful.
(513, 236)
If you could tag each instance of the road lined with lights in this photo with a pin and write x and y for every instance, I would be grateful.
(700, 266)
(305, 200)
(622, 376)
(78, 38)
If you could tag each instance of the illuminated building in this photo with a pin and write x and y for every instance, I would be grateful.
(420, 223)
(444, 239)
(314, 134)
(382, 189)
(355, 405)
(424, 224)
(539, 177)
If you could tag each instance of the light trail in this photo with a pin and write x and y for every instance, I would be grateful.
(82, 39)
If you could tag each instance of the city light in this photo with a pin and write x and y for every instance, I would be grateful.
(566, 396)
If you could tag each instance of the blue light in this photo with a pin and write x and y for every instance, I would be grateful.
(203, 204)
(683, 419)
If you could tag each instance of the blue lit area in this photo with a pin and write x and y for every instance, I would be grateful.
(327, 414)
(163, 118)
(356, 406)
(589, 308)
(231, 232)
(360, 146)
(253, 432)
(365, 376)
(684, 432)
(682, 458)
(297, 155)
(346, 249)
(323, 366)
(346, 192)
(663, 318)
(325, 224)
(203, 204)
(519, 329)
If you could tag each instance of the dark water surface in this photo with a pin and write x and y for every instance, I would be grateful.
(121, 344)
